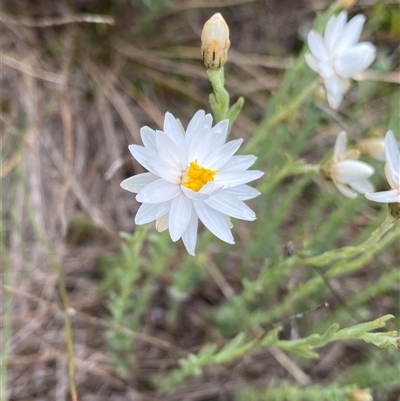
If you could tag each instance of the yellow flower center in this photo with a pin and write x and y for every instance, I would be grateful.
(195, 177)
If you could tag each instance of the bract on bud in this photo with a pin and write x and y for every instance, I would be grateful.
(360, 395)
(215, 42)
(374, 147)
(394, 210)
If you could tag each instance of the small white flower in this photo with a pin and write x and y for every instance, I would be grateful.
(392, 172)
(192, 175)
(337, 56)
(346, 172)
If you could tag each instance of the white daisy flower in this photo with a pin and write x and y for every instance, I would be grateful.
(337, 56)
(392, 172)
(192, 175)
(347, 173)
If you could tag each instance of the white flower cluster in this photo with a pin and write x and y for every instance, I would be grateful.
(337, 56)
(192, 175)
(350, 175)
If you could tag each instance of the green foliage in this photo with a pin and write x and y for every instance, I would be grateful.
(122, 274)
(290, 392)
(194, 364)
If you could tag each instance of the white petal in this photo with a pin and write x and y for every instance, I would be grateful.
(334, 91)
(201, 146)
(143, 155)
(211, 188)
(193, 195)
(311, 61)
(205, 192)
(325, 69)
(175, 131)
(230, 179)
(158, 191)
(340, 146)
(351, 33)
(167, 171)
(200, 122)
(189, 237)
(162, 223)
(347, 171)
(239, 163)
(222, 155)
(228, 220)
(214, 221)
(169, 151)
(231, 206)
(197, 135)
(179, 216)
(392, 154)
(243, 192)
(362, 186)
(138, 182)
(220, 131)
(334, 30)
(317, 46)
(148, 138)
(195, 122)
(384, 196)
(151, 211)
(345, 190)
(355, 60)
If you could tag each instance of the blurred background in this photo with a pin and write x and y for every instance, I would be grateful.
(78, 80)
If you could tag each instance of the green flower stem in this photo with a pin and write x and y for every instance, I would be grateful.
(282, 114)
(305, 346)
(290, 168)
(351, 251)
(241, 345)
(219, 100)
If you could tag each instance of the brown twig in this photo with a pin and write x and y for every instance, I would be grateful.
(54, 21)
(32, 71)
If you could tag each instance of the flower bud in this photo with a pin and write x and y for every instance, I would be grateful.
(374, 147)
(360, 395)
(394, 210)
(215, 42)
(346, 4)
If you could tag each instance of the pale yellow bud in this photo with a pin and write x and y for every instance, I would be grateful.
(215, 42)
(360, 395)
(346, 4)
(374, 147)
